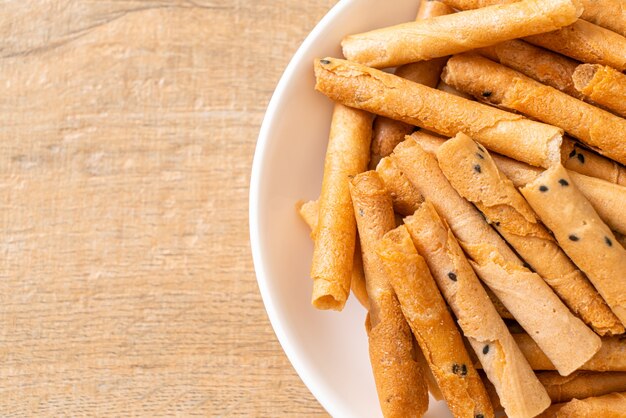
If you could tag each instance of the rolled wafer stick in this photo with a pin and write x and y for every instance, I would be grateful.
(399, 380)
(451, 90)
(582, 384)
(496, 84)
(454, 33)
(524, 293)
(388, 132)
(433, 326)
(603, 85)
(610, 14)
(585, 42)
(578, 385)
(309, 212)
(612, 405)
(347, 155)
(581, 233)
(581, 40)
(610, 358)
(581, 160)
(607, 198)
(521, 393)
(547, 67)
(403, 194)
(475, 176)
(388, 95)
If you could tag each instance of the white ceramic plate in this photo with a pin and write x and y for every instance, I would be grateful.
(327, 349)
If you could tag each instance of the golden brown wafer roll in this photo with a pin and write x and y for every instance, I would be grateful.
(404, 196)
(610, 14)
(610, 358)
(580, 385)
(388, 132)
(433, 327)
(581, 233)
(475, 176)
(399, 380)
(388, 95)
(603, 85)
(524, 293)
(608, 199)
(454, 33)
(582, 40)
(581, 160)
(347, 155)
(504, 87)
(547, 67)
(612, 405)
(585, 42)
(309, 212)
(521, 393)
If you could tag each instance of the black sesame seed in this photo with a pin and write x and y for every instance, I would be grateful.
(581, 158)
(361, 212)
(572, 154)
(325, 62)
(608, 241)
(477, 168)
(543, 188)
(563, 182)
(480, 148)
(479, 155)
(486, 349)
(455, 368)
(452, 276)
(574, 238)
(463, 370)
(486, 93)
(497, 223)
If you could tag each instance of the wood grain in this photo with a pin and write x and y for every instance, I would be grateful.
(127, 130)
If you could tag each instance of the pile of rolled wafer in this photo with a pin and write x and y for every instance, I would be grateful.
(487, 240)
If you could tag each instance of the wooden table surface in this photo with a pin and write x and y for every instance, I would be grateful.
(127, 130)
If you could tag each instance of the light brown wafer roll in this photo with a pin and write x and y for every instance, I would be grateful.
(582, 40)
(581, 233)
(347, 155)
(545, 66)
(433, 327)
(454, 33)
(521, 393)
(501, 86)
(475, 176)
(309, 212)
(603, 85)
(610, 14)
(610, 358)
(581, 160)
(612, 405)
(403, 194)
(580, 385)
(388, 132)
(585, 42)
(399, 380)
(385, 94)
(524, 293)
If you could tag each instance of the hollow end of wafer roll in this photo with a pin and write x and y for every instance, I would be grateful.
(583, 75)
